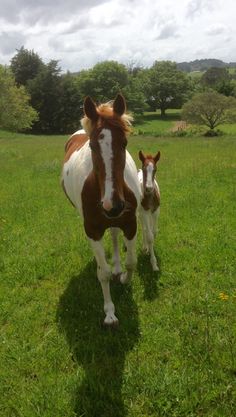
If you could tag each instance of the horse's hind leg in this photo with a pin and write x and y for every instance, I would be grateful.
(104, 274)
(117, 270)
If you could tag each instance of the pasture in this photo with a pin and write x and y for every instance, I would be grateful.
(174, 352)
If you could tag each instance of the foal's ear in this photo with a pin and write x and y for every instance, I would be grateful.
(157, 157)
(90, 109)
(141, 156)
(119, 105)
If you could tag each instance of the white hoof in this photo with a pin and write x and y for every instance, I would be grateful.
(126, 277)
(155, 268)
(111, 320)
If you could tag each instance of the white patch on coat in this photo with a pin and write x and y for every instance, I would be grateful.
(131, 178)
(107, 156)
(79, 132)
(78, 168)
(149, 181)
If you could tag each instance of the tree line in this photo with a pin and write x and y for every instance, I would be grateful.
(37, 96)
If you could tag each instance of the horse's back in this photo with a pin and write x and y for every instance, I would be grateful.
(74, 143)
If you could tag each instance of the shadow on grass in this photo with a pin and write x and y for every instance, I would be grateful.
(173, 116)
(101, 352)
(148, 277)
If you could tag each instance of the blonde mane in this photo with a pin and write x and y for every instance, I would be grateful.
(107, 116)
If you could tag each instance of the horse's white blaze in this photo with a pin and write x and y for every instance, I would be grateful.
(107, 156)
(149, 182)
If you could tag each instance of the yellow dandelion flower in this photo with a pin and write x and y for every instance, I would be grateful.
(223, 296)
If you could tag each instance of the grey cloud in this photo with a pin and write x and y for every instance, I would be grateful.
(31, 11)
(195, 7)
(10, 41)
(215, 30)
(168, 31)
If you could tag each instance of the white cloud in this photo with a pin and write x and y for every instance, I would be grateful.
(80, 33)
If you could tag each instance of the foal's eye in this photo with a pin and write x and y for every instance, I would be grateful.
(101, 136)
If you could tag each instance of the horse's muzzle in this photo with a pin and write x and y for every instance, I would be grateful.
(116, 210)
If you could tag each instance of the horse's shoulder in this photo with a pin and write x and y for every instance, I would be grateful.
(74, 143)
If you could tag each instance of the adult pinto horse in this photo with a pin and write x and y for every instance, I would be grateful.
(100, 179)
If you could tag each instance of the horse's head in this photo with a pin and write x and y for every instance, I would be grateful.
(107, 126)
(149, 163)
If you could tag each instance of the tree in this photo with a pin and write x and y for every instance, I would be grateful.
(25, 65)
(71, 104)
(103, 81)
(219, 79)
(213, 76)
(209, 109)
(168, 86)
(45, 90)
(16, 114)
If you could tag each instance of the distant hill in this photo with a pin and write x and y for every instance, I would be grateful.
(204, 64)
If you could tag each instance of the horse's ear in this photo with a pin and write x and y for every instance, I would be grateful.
(141, 156)
(90, 109)
(119, 105)
(157, 157)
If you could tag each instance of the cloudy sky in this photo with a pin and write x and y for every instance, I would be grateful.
(80, 33)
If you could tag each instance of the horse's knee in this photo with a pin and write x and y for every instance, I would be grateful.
(103, 274)
(150, 237)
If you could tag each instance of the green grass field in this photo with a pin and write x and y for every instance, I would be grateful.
(174, 352)
(153, 124)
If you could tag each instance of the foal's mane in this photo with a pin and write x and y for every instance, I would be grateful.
(108, 117)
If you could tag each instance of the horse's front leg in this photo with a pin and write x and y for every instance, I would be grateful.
(116, 270)
(104, 275)
(131, 260)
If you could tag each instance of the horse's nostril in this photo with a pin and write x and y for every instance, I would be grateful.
(116, 209)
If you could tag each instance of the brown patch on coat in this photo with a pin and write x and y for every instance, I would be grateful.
(95, 220)
(151, 201)
(74, 143)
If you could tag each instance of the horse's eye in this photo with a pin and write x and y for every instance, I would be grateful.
(101, 136)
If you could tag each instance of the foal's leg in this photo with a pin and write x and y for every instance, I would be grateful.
(148, 222)
(155, 216)
(151, 239)
(131, 260)
(144, 226)
(116, 271)
(104, 274)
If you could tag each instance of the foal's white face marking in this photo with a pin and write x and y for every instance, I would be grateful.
(107, 156)
(149, 181)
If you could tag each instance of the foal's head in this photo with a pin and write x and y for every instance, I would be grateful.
(107, 126)
(149, 170)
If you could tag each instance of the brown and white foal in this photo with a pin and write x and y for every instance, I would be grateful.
(100, 179)
(150, 205)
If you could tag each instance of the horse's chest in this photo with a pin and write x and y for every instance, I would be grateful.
(151, 201)
(96, 222)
